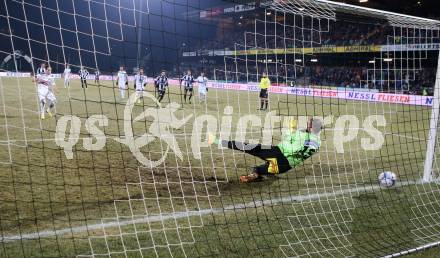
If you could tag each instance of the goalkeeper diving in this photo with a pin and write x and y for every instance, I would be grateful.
(294, 148)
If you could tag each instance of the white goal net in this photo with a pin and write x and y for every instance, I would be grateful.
(115, 149)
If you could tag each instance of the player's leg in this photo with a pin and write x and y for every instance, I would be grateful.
(42, 92)
(261, 99)
(42, 108)
(139, 95)
(122, 92)
(190, 94)
(162, 94)
(185, 91)
(202, 96)
(85, 83)
(276, 163)
(266, 99)
(52, 101)
(256, 150)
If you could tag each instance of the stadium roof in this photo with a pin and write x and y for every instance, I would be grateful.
(405, 13)
(327, 9)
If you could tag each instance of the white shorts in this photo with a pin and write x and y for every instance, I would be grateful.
(122, 86)
(202, 90)
(45, 94)
(139, 87)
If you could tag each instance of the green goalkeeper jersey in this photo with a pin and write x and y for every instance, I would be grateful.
(299, 146)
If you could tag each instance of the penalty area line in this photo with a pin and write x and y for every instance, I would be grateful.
(180, 215)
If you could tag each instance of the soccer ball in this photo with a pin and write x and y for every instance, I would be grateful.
(387, 179)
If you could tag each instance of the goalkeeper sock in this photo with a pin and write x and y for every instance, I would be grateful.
(267, 102)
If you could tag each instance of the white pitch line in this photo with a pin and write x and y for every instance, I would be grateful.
(179, 215)
(413, 250)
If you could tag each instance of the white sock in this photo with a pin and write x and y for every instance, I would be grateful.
(42, 107)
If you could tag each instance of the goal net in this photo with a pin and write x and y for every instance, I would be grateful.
(126, 166)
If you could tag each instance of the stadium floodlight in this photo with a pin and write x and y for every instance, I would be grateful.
(363, 1)
(313, 60)
(372, 62)
(387, 59)
(298, 60)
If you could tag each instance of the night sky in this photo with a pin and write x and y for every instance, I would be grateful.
(150, 33)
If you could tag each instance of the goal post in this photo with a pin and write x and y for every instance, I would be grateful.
(433, 129)
(324, 9)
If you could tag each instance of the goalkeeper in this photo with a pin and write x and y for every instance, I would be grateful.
(295, 148)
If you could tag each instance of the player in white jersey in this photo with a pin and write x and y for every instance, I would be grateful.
(46, 96)
(97, 74)
(140, 80)
(42, 69)
(122, 81)
(66, 75)
(203, 87)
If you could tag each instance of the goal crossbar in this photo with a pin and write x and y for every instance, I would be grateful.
(326, 9)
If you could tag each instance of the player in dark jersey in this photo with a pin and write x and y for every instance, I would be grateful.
(188, 81)
(83, 73)
(161, 84)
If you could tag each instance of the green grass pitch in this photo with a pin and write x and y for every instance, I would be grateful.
(329, 206)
